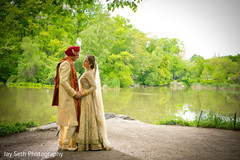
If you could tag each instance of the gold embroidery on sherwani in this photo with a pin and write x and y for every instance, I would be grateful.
(88, 137)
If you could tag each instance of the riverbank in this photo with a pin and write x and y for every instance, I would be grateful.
(131, 140)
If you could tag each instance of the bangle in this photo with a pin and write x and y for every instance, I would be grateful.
(84, 93)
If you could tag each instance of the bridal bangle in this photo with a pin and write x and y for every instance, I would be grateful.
(84, 93)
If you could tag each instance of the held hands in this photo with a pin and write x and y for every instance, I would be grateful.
(78, 95)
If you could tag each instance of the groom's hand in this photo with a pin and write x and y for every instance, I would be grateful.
(77, 95)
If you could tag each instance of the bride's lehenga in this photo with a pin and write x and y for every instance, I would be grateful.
(92, 133)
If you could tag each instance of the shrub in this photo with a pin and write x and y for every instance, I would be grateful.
(209, 121)
(8, 129)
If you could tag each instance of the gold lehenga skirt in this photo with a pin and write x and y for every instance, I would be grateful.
(88, 137)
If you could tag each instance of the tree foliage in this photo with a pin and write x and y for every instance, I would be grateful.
(53, 24)
(112, 4)
(35, 34)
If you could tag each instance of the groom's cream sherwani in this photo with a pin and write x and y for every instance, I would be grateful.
(66, 106)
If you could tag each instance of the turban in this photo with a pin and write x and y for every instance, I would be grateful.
(73, 51)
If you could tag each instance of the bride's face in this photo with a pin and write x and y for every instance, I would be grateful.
(86, 64)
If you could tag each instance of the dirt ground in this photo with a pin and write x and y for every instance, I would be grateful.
(131, 140)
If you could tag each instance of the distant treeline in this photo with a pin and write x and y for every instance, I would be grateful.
(35, 34)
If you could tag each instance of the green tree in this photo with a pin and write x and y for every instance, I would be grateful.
(17, 21)
(119, 3)
(198, 66)
(220, 70)
(120, 67)
(56, 23)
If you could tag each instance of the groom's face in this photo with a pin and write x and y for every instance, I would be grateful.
(74, 58)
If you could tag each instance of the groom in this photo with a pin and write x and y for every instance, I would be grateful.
(66, 96)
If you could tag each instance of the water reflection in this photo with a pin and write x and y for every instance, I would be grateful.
(186, 114)
(22, 104)
(146, 104)
(153, 104)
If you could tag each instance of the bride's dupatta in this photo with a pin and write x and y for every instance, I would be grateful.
(97, 94)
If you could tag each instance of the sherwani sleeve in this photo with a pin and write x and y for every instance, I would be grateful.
(65, 77)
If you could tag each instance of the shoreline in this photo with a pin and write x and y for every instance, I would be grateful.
(173, 84)
(183, 123)
(53, 126)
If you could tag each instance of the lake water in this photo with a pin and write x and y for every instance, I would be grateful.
(145, 104)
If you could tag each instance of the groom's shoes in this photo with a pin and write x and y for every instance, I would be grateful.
(66, 147)
(60, 147)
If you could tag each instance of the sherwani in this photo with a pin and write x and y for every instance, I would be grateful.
(66, 107)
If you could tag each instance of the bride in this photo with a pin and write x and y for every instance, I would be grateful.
(91, 133)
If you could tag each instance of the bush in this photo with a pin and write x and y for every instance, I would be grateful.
(206, 82)
(216, 121)
(179, 121)
(8, 129)
(12, 79)
(53, 118)
(209, 121)
(30, 85)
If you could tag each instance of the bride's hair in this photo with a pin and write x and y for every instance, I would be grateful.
(91, 60)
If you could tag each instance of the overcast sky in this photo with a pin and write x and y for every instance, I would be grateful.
(204, 26)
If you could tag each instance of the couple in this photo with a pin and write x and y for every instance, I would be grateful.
(80, 112)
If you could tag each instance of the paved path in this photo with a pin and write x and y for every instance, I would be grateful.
(133, 140)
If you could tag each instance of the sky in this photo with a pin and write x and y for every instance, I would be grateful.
(204, 26)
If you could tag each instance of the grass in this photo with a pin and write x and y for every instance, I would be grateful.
(30, 85)
(221, 85)
(53, 118)
(8, 129)
(209, 121)
(114, 83)
(215, 121)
